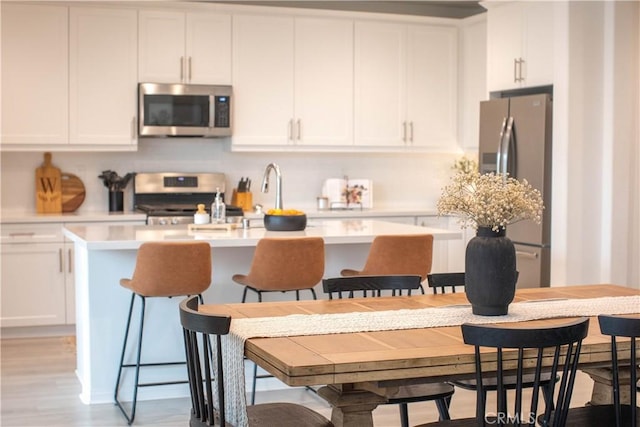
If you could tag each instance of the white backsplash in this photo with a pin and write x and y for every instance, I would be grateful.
(400, 180)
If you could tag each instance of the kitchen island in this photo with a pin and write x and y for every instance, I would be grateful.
(106, 253)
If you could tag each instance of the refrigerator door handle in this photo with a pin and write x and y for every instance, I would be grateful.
(511, 164)
(528, 255)
(499, 150)
(503, 152)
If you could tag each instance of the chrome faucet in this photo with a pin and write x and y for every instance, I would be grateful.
(265, 183)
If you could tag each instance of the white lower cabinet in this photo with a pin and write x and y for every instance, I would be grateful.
(36, 273)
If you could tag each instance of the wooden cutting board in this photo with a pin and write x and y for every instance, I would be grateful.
(48, 187)
(73, 192)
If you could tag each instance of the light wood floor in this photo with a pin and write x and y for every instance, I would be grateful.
(39, 388)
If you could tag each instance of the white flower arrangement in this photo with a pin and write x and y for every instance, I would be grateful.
(488, 200)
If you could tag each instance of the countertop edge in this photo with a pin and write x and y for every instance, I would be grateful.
(15, 217)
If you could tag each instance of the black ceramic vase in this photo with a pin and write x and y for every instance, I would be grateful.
(490, 272)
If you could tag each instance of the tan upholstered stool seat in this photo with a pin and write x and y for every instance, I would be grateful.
(169, 269)
(285, 264)
(396, 254)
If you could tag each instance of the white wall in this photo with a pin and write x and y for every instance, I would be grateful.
(596, 94)
(399, 180)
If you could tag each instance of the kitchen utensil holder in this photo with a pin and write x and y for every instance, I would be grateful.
(116, 201)
(242, 199)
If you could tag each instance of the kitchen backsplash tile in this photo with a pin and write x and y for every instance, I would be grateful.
(400, 180)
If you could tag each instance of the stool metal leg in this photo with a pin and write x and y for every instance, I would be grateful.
(131, 417)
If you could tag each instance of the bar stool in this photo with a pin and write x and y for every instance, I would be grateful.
(283, 265)
(163, 269)
(397, 254)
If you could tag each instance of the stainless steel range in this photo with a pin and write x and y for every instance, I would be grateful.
(172, 197)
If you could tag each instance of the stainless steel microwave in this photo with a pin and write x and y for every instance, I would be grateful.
(184, 110)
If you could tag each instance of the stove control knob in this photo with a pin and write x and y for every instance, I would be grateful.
(175, 221)
(162, 221)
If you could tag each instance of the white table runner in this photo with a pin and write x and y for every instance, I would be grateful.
(324, 324)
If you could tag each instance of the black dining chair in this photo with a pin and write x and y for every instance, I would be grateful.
(554, 347)
(443, 282)
(206, 377)
(393, 285)
(618, 414)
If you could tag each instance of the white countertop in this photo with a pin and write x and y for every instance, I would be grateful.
(12, 217)
(114, 236)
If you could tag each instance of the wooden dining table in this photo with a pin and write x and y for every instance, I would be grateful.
(356, 369)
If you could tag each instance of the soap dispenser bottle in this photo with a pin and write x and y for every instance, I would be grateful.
(201, 216)
(218, 209)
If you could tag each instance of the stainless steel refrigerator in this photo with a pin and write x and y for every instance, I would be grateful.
(515, 137)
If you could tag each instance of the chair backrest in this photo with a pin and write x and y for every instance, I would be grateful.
(445, 282)
(623, 327)
(165, 269)
(395, 254)
(287, 263)
(515, 347)
(370, 285)
(204, 363)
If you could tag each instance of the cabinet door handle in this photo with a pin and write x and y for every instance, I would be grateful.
(70, 255)
(133, 128)
(23, 234)
(189, 69)
(290, 133)
(60, 260)
(411, 131)
(404, 131)
(299, 130)
(182, 68)
(517, 70)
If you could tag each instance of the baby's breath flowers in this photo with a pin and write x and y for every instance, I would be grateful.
(489, 200)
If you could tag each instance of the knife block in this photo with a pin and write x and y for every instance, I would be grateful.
(243, 200)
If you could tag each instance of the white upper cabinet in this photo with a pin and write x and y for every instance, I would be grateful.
(69, 78)
(262, 80)
(405, 85)
(380, 83)
(103, 76)
(323, 93)
(519, 45)
(293, 82)
(35, 75)
(432, 87)
(178, 47)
